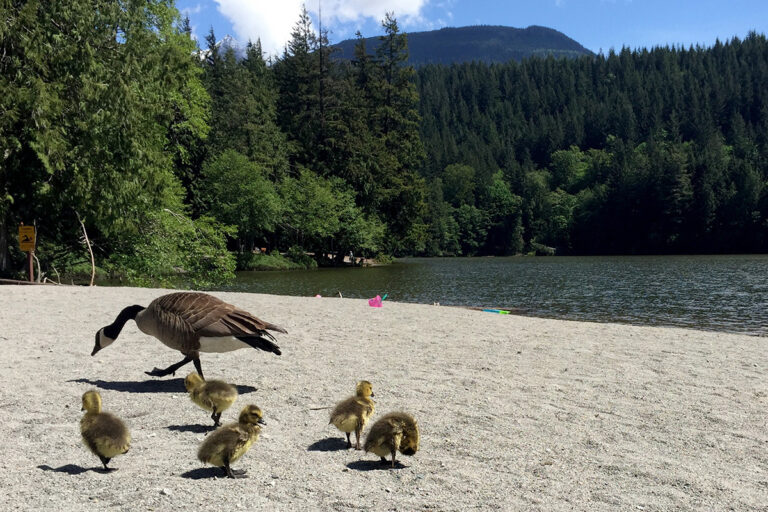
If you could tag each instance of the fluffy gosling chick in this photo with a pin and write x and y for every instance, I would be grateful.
(230, 442)
(353, 413)
(212, 395)
(103, 433)
(392, 432)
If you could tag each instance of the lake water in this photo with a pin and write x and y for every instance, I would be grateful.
(722, 293)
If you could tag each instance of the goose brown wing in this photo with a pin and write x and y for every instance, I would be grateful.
(206, 315)
(189, 316)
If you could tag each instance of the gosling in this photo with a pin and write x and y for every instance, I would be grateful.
(392, 432)
(103, 433)
(230, 442)
(354, 412)
(212, 395)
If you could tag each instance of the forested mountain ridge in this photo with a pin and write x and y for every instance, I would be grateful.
(481, 43)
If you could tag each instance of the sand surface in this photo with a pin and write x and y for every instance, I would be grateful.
(516, 413)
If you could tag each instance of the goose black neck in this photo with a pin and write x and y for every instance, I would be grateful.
(129, 313)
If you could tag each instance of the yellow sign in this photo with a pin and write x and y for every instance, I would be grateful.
(27, 238)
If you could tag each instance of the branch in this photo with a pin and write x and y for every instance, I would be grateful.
(90, 251)
(39, 272)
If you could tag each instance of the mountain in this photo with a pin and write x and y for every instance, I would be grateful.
(226, 44)
(481, 43)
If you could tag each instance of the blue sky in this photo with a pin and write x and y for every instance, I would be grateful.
(596, 24)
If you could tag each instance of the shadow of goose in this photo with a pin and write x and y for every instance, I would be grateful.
(150, 386)
(137, 386)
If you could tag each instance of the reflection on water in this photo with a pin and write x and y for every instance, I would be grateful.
(723, 293)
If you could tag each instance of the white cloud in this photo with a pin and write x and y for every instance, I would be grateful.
(192, 10)
(272, 20)
(354, 10)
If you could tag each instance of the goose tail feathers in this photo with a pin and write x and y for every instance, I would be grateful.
(261, 343)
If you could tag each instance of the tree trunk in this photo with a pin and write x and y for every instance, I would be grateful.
(3, 245)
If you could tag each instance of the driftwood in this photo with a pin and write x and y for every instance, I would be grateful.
(16, 281)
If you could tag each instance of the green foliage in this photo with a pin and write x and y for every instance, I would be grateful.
(299, 255)
(171, 249)
(237, 191)
(293, 260)
(101, 101)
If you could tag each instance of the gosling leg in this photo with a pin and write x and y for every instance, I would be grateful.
(357, 436)
(233, 473)
(105, 461)
(216, 416)
(349, 443)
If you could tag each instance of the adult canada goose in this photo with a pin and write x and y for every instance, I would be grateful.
(351, 414)
(193, 322)
(103, 433)
(212, 395)
(231, 441)
(393, 432)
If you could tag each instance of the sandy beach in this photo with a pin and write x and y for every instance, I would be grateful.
(516, 413)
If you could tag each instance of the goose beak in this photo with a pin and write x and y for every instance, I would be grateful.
(97, 345)
(261, 422)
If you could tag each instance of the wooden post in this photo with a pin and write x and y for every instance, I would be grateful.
(29, 266)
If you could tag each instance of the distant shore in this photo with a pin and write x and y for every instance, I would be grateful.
(516, 413)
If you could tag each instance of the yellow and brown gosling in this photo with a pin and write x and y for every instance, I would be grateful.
(103, 433)
(393, 432)
(230, 442)
(354, 412)
(212, 395)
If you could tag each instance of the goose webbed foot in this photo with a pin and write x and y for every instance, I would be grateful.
(157, 372)
(171, 370)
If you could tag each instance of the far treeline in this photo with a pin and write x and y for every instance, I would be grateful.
(179, 162)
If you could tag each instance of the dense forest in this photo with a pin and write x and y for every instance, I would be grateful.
(649, 151)
(172, 161)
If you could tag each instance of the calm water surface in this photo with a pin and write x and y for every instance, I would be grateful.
(722, 293)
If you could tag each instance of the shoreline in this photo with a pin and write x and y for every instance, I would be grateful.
(515, 311)
(516, 412)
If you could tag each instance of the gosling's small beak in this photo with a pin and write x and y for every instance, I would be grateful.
(82, 408)
(261, 422)
(372, 393)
